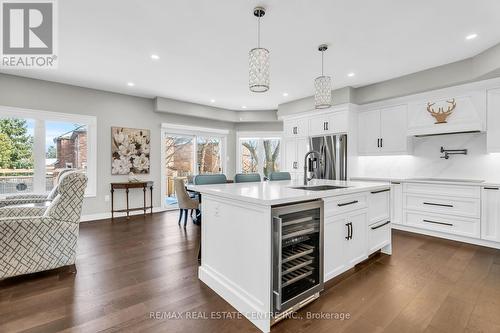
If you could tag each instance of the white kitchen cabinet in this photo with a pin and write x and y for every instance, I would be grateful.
(379, 235)
(493, 133)
(396, 203)
(490, 214)
(295, 127)
(329, 123)
(369, 132)
(355, 247)
(379, 205)
(383, 131)
(295, 150)
(335, 234)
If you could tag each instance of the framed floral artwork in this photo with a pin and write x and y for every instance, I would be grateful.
(130, 149)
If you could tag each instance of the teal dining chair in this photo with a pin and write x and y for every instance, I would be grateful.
(246, 177)
(279, 176)
(209, 179)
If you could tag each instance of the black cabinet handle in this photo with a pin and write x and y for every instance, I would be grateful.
(381, 225)
(436, 204)
(326, 126)
(378, 143)
(381, 142)
(435, 222)
(396, 183)
(348, 230)
(491, 188)
(347, 203)
(380, 191)
(352, 229)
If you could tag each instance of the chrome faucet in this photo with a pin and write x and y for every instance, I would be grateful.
(307, 179)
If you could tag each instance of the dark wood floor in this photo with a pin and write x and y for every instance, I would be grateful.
(128, 269)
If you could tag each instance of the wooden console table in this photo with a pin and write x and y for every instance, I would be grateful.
(127, 186)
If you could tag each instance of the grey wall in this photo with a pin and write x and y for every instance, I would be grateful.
(111, 110)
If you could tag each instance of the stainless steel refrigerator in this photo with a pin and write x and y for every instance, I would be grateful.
(333, 156)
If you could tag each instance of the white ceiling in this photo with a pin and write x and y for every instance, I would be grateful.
(204, 44)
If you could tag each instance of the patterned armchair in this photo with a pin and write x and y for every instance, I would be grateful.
(39, 239)
(28, 198)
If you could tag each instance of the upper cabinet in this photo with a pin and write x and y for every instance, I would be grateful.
(383, 131)
(329, 123)
(295, 127)
(493, 136)
(448, 111)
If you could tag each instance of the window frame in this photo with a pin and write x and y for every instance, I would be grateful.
(39, 148)
(260, 136)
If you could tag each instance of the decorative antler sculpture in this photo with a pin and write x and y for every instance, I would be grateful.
(441, 115)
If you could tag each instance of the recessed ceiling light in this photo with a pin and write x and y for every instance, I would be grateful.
(471, 36)
(244, 107)
(212, 100)
(351, 74)
(155, 57)
(285, 94)
(130, 84)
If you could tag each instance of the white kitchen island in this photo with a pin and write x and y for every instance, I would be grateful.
(237, 235)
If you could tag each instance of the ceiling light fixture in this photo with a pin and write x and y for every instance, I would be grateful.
(351, 74)
(244, 107)
(155, 57)
(285, 94)
(471, 36)
(322, 85)
(258, 57)
(212, 101)
(130, 84)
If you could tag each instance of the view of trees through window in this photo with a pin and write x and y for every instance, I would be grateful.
(16, 155)
(186, 153)
(260, 155)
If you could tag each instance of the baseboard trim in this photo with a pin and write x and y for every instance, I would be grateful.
(463, 239)
(105, 216)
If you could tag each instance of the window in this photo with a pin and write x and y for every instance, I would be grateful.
(36, 145)
(258, 153)
(189, 151)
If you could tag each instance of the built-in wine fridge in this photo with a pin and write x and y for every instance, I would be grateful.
(297, 255)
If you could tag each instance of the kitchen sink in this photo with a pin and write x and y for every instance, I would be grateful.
(318, 187)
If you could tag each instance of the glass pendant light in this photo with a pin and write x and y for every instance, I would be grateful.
(322, 85)
(258, 61)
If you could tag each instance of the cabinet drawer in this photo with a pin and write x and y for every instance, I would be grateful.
(379, 205)
(454, 225)
(443, 189)
(344, 204)
(467, 207)
(379, 235)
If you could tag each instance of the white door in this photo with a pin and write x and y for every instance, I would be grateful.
(490, 215)
(355, 248)
(369, 132)
(302, 149)
(393, 129)
(290, 164)
(290, 127)
(335, 234)
(318, 125)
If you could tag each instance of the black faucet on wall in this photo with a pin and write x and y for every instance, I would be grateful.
(448, 152)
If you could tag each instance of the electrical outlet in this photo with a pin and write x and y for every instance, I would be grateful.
(106, 198)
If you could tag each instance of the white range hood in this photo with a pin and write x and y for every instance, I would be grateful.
(468, 115)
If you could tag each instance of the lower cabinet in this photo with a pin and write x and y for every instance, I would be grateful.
(396, 203)
(344, 242)
(379, 235)
(490, 214)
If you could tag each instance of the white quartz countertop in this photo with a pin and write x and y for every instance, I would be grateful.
(437, 180)
(280, 192)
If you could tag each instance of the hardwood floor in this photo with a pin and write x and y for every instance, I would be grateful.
(126, 270)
